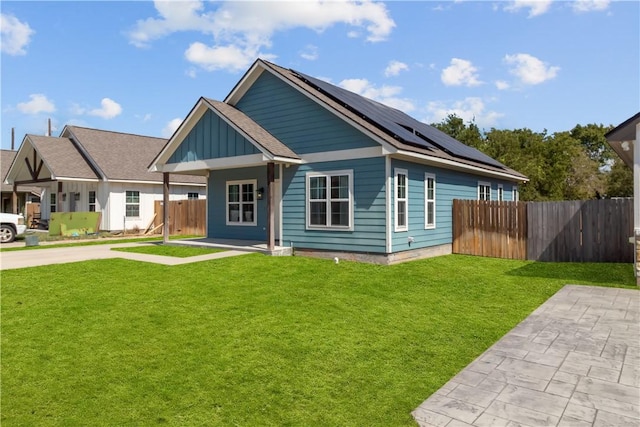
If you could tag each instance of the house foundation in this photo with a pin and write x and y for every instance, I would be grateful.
(382, 259)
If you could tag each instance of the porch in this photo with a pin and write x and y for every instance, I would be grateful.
(235, 244)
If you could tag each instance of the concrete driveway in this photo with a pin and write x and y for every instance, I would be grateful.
(37, 257)
(575, 361)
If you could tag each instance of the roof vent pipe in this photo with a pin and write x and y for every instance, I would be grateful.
(49, 127)
(13, 138)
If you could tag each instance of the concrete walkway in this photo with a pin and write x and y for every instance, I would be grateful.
(575, 361)
(37, 257)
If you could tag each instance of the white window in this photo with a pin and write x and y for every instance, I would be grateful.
(516, 194)
(53, 205)
(500, 193)
(429, 200)
(132, 204)
(192, 196)
(484, 191)
(330, 200)
(241, 202)
(402, 199)
(92, 201)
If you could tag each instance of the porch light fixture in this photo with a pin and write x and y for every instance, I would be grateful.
(260, 193)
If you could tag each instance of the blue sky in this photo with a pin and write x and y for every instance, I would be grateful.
(140, 66)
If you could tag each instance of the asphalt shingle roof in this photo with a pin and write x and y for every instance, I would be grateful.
(123, 156)
(61, 157)
(6, 158)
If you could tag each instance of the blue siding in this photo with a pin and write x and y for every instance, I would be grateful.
(449, 185)
(217, 189)
(211, 138)
(298, 122)
(368, 234)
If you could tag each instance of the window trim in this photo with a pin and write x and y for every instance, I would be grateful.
(242, 222)
(427, 200)
(515, 193)
(328, 175)
(500, 193)
(396, 200)
(131, 204)
(484, 184)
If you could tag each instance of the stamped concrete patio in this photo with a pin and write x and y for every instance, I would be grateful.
(575, 361)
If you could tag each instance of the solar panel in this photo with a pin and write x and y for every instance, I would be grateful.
(398, 124)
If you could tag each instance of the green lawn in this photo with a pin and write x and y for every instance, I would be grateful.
(256, 340)
(169, 250)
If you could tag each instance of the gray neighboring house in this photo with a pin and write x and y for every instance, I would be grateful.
(24, 194)
(99, 171)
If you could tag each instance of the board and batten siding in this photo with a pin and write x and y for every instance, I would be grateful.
(110, 200)
(450, 185)
(212, 138)
(149, 193)
(369, 231)
(217, 206)
(297, 121)
(80, 187)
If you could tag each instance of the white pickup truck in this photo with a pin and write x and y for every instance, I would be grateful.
(11, 225)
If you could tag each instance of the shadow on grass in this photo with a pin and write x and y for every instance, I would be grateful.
(580, 273)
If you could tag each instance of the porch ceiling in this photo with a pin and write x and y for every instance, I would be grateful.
(622, 139)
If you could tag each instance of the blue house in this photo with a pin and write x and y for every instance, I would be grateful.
(294, 161)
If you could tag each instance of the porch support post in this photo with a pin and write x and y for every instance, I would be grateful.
(59, 198)
(14, 199)
(271, 238)
(165, 207)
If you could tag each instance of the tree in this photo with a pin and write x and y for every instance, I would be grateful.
(619, 180)
(524, 151)
(455, 127)
(592, 138)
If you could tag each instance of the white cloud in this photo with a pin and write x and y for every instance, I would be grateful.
(589, 5)
(386, 94)
(536, 7)
(468, 109)
(460, 73)
(108, 110)
(171, 127)
(310, 52)
(16, 35)
(231, 57)
(529, 69)
(240, 29)
(394, 68)
(38, 104)
(502, 85)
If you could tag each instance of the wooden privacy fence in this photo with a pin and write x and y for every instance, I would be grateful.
(187, 217)
(575, 231)
(492, 229)
(582, 231)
